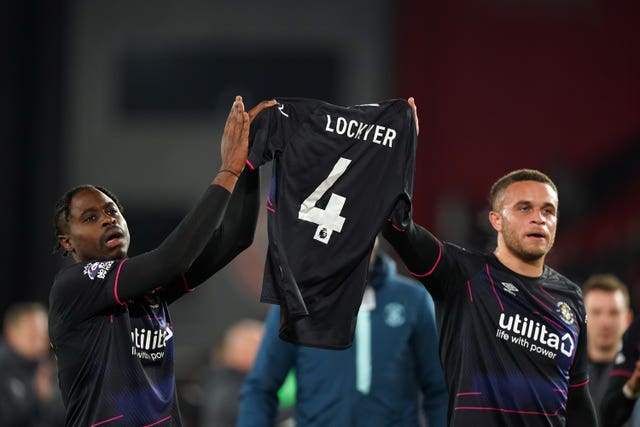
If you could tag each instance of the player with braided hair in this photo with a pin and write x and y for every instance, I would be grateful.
(109, 323)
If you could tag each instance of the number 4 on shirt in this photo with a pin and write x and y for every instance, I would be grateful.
(328, 219)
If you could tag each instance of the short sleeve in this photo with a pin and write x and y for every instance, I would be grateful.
(401, 213)
(275, 127)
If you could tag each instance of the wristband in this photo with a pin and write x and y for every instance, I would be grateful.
(628, 393)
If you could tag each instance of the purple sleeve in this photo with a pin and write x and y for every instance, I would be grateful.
(234, 235)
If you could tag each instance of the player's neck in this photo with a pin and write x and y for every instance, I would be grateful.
(532, 268)
(602, 355)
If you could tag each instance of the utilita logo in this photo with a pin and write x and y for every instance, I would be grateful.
(534, 336)
(149, 344)
(147, 339)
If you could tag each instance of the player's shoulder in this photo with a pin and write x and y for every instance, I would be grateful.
(460, 253)
(86, 270)
(554, 279)
(566, 289)
(395, 107)
(298, 102)
(68, 274)
(81, 272)
(284, 104)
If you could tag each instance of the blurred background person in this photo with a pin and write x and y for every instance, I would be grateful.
(619, 403)
(29, 396)
(606, 301)
(390, 376)
(230, 364)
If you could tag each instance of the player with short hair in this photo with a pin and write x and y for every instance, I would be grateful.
(512, 330)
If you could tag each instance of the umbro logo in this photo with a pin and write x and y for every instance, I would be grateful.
(510, 288)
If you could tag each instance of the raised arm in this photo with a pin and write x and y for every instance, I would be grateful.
(420, 250)
(180, 249)
(237, 229)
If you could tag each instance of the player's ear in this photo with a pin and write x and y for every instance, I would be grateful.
(496, 220)
(65, 242)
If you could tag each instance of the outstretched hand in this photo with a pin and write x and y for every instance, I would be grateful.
(412, 103)
(235, 139)
(234, 148)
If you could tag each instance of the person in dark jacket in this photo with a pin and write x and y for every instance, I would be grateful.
(606, 299)
(623, 387)
(231, 363)
(28, 394)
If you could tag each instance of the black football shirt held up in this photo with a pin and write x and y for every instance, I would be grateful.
(338, 174)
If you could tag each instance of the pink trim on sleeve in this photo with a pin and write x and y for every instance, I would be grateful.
(468, 393)
(186, 283)
(250, 165)
(395, 227)
(107, 421)
(428, 273)
(158, 422)
(583, 383)
(115, 284)
(507, 411)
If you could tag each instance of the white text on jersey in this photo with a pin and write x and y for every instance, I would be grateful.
(357, 130)
(147, 339)
(519, 331)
